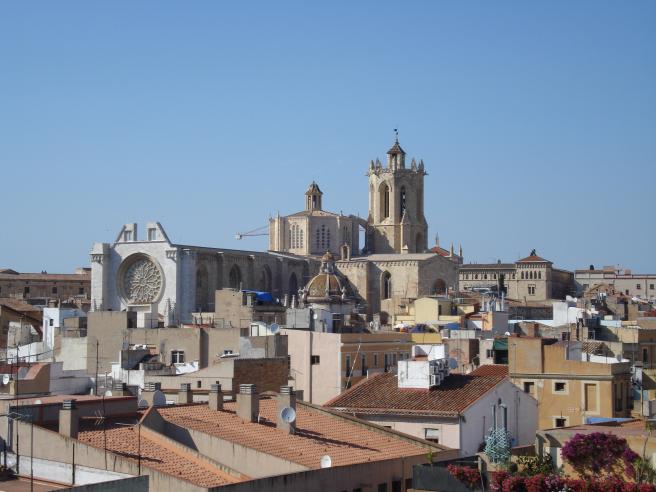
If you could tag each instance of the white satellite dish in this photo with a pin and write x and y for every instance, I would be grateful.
(274, 328)
(143, 404)
(288, 415)
(326, 461)
(109, 393)
(5, 379)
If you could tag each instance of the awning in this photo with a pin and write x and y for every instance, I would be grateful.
(500, 344)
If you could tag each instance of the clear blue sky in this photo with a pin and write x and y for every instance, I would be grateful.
(536, 121)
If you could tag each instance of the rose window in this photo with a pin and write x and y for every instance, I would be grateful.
(142, 282)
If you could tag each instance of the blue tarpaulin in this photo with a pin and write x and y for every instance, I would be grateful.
(600, 420)
(261, 296)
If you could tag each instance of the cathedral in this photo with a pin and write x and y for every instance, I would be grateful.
(166, 282)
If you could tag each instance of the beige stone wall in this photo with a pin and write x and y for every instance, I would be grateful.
(569, 389)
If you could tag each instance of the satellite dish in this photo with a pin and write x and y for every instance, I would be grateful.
(142, 404)
(326, 461)
(453, 364)
(159, 399)
(274, 328)
(5, 379)
(109, 393)
(288, 415)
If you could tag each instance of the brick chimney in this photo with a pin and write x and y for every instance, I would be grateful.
(185, 395)
(248, 403)
(68, 419)
(286, 398)
(216, 397)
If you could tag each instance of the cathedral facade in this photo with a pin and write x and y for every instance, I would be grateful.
(165, 282)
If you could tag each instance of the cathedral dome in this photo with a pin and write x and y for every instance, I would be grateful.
(328, 284)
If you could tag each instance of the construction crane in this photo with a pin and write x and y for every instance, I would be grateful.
(260, 231)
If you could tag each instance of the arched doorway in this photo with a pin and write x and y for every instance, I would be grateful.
(439, 287)
(292, 289)
(265, 279)
(234, 279)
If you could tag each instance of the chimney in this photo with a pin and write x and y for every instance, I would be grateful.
(68, 419)
(248, 403)
(216, 397)
(120, 389)
(286, 398)
(185, 395)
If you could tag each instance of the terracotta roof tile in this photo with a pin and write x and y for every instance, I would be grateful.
(380, 394)
(155, 453)
(317, 433)
(533, 259)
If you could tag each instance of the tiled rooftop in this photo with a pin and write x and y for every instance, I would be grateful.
(380, 394)
(317, 433)
(155, 452)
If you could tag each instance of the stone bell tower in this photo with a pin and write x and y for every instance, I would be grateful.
(396, 222)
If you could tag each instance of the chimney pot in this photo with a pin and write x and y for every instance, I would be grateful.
(248, 403)
(68, 419)
(216, 397)
(286, 398)
(185, 395)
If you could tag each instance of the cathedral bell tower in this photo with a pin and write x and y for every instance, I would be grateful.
(396, 222)
(313, 197)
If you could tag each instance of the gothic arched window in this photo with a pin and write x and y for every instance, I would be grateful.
(386, 285)
(384, 201)
(403, 203)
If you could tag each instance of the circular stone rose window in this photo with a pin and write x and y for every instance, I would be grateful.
(141, 281)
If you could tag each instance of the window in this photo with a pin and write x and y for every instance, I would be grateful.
(561, 422)
(375, 360)
(363, 361)
(80, 291)
(531, 290)
(626, 292)
(152, 234)
(432, 435)
(651, 286)
(347, 363)
(127, 236)
(564, 336)
(485, 276)
(177, 356)
(645, 356)
(529, 387)
(382, 487)
(51, 322)
(315, 359)
(637, 286)
(396, 485)
(387, 360)
(54, 289)
(384, 201)
(26, 290)
(590, 395)
(560, 387)
(387, 285)
(539, 275)
(403, 203)
(489, 353)
(199, 384)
